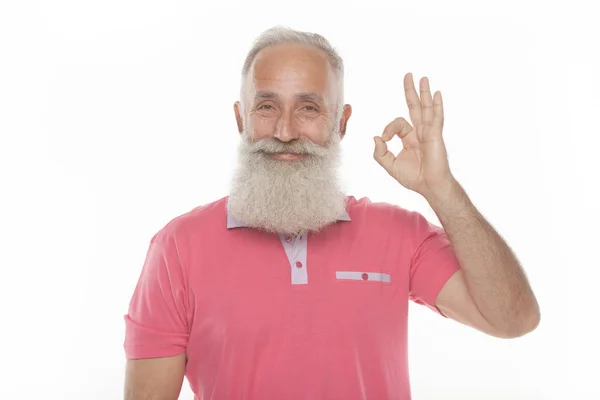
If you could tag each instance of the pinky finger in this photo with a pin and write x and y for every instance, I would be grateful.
(438, 110)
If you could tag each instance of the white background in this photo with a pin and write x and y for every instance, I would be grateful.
(116, 116)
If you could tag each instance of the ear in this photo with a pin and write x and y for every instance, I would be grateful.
(346, 113)
(238, 117)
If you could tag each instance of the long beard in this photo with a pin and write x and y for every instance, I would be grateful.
(282, 196)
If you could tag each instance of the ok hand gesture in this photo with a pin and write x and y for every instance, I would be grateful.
(422, 165)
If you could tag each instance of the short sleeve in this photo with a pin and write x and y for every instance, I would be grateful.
(156, 323)
(433, 262)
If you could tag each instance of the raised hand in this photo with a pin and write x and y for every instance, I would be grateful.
(422, 164)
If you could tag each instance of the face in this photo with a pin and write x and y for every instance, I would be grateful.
(286, 178)
(291, 94)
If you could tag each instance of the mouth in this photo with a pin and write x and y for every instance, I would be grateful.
(287, 156)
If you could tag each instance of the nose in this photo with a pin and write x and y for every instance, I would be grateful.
(285, 130)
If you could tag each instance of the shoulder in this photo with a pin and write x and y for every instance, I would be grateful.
(378, 211)
(373, 216)
(203, 218)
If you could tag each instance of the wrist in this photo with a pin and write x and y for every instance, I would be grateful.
(448, 198)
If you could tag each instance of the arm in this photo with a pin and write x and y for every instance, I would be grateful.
(157, 325)
(154, 378)
(490, 292)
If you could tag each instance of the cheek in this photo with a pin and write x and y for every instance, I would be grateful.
(259, 128)
(316, 130)
(316, 136)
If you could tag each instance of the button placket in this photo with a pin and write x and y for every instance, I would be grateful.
(295, 248)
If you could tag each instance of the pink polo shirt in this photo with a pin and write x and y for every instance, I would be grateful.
(269, 317)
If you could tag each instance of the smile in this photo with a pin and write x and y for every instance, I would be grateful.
(287, 156)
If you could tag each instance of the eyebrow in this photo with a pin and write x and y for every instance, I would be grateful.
(265, 95)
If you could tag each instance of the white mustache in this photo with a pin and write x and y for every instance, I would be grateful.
(297, 146)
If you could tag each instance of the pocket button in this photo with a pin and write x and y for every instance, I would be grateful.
(365, 276)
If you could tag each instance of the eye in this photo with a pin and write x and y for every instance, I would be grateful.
(310, 108)
(265, 107)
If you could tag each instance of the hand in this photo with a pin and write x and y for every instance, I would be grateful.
(422, 165)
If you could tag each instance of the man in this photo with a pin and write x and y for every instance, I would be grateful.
(290, 289)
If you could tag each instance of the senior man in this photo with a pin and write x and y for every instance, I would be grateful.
(288, 288)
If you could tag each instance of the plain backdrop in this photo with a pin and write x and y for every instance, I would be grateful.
(116, 116)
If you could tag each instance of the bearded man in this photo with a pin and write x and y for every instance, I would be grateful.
(289, 288)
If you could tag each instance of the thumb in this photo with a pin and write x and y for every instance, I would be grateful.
(382, 155)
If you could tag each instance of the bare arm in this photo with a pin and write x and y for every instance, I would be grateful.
(490, 292)
(154, 378)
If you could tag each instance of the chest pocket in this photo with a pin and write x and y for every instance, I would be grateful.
(363, 276)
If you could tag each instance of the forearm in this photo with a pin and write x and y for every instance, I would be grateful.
(494, 277)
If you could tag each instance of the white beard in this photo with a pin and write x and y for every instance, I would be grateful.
(282, 196)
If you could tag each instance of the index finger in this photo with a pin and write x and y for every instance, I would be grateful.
(412, 100)
(399, 127)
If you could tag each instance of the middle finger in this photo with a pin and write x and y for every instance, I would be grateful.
(412, 100)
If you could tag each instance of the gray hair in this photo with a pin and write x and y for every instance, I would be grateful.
(283, 35)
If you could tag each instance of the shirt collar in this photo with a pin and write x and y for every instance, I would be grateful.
(232, 222)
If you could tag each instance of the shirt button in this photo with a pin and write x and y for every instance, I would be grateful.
(288, 238)
(365, 276)
(298, 264)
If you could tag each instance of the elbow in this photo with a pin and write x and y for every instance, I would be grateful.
(525, 324)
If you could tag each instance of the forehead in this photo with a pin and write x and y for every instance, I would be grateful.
(290, 69)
